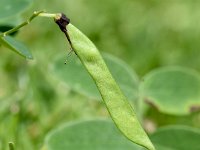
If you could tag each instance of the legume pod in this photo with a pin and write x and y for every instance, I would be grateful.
(117, 104)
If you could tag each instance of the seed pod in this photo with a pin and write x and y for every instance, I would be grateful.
(117, 104)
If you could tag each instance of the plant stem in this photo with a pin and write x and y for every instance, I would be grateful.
(49, 15)
(35, 14)
(11, 146)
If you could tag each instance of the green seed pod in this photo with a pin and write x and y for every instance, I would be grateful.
(117, 104)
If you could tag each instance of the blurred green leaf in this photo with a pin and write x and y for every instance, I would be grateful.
(16, 46)
(88, 135)
(12, 7)
(176, 138)
(77, 78)
(173, 90)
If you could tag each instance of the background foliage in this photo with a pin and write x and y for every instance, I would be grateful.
(144, 34)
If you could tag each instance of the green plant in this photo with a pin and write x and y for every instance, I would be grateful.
(118, 106)
(34, 100)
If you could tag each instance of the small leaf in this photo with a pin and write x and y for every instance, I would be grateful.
(16, 46)
(172, 90)
(77, 78)
(12, 7)
(176, 138)
(88, 135)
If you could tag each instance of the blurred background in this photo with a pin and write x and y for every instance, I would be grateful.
(145, 34)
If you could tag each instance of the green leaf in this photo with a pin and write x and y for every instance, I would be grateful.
(172, 90)
(77, 78)
(116, 102)
(13, 7)
(16, 46)
(176, 138)
(88, 135)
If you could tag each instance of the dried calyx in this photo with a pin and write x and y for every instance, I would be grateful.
(62, 21)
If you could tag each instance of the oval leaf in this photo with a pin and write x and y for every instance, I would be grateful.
(88, 135)
(12, 7)
(77, 78)
(116, 102)
(176, 138)
(16, 46)
(168, 88)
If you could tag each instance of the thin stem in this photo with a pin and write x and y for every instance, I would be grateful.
(49, 15)
(35, 14)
